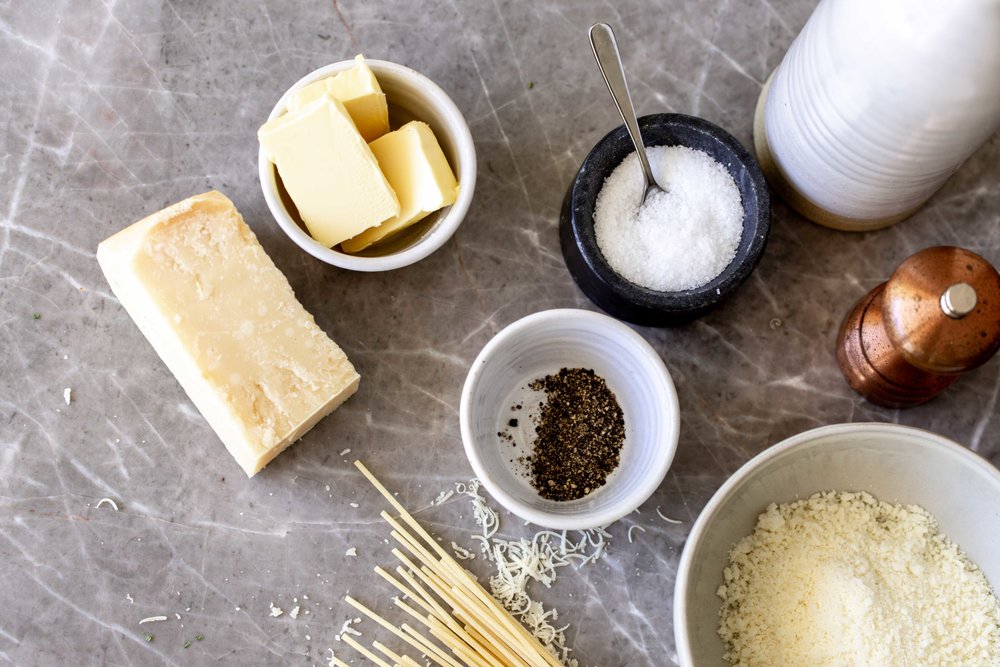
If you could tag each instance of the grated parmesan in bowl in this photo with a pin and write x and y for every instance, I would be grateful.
(843, 578)
(880, 573)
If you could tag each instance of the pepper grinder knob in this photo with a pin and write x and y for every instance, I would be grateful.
(936, 317)
(959, 300)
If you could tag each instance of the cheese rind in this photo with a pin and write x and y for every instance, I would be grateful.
(329, 171)
(418, 171)
(360, 93)
(225, 321)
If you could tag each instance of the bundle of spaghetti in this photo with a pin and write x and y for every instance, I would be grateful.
(458, 623)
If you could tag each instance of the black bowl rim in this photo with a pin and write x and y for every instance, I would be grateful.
(699, 298)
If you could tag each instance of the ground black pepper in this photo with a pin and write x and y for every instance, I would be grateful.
(580, 429)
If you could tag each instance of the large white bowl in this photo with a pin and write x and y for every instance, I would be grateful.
(410, 96)
(894, 463)
(541, 344)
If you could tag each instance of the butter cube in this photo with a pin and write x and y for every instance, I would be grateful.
(329, 171)
(358, 90)
(412, 160)
(225, 321)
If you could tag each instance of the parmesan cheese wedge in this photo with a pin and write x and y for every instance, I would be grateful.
(225, 321)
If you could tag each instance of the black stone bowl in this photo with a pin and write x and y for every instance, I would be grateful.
(626, 300)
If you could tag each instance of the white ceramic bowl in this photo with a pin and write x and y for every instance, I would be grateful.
(544, 343)
(894, 463)
(410, 96)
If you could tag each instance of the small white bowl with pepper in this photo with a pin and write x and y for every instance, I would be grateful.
(570, 419)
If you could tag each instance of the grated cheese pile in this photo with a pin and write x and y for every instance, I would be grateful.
(519, 562)
(843, 579)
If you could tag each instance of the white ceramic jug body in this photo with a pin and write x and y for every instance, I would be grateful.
(876, 103)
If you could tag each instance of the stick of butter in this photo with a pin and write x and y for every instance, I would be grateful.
(415, 166)
(329, 171)
(225, 321)
(360, 93)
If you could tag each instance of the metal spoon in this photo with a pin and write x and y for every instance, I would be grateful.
(602, 39)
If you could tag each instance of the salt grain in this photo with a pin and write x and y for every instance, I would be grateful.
(678, 239)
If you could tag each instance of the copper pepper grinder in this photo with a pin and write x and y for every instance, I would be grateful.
(936, 317)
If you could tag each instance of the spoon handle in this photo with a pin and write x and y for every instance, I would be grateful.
(602, 39)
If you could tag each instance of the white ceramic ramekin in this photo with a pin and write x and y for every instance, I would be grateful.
(544, 343)
(410, 96)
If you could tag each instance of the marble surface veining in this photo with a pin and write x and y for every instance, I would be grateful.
(112, 110)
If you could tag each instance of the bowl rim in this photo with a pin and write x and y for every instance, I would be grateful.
(802, 439)
(667, 402)
(435, 237)
(731, 277)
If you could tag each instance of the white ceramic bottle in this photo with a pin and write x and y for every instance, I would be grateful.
(876, 103)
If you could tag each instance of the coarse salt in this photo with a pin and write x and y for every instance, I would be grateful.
(678, 239)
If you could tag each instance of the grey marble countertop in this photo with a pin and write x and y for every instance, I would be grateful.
(114, 110)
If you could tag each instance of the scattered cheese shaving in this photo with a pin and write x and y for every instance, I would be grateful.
(152, 619)
(462, 554)
(666, 518)
(346, 452)
(443, 496)
(276, 611)
(177, 615)
(355, 505)
(346, 628)
(294, 613)
(353, 551)
(631, 528)
(100, 502)
(67, 394)
(518, 562)
(486, 517)
(128, 596)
